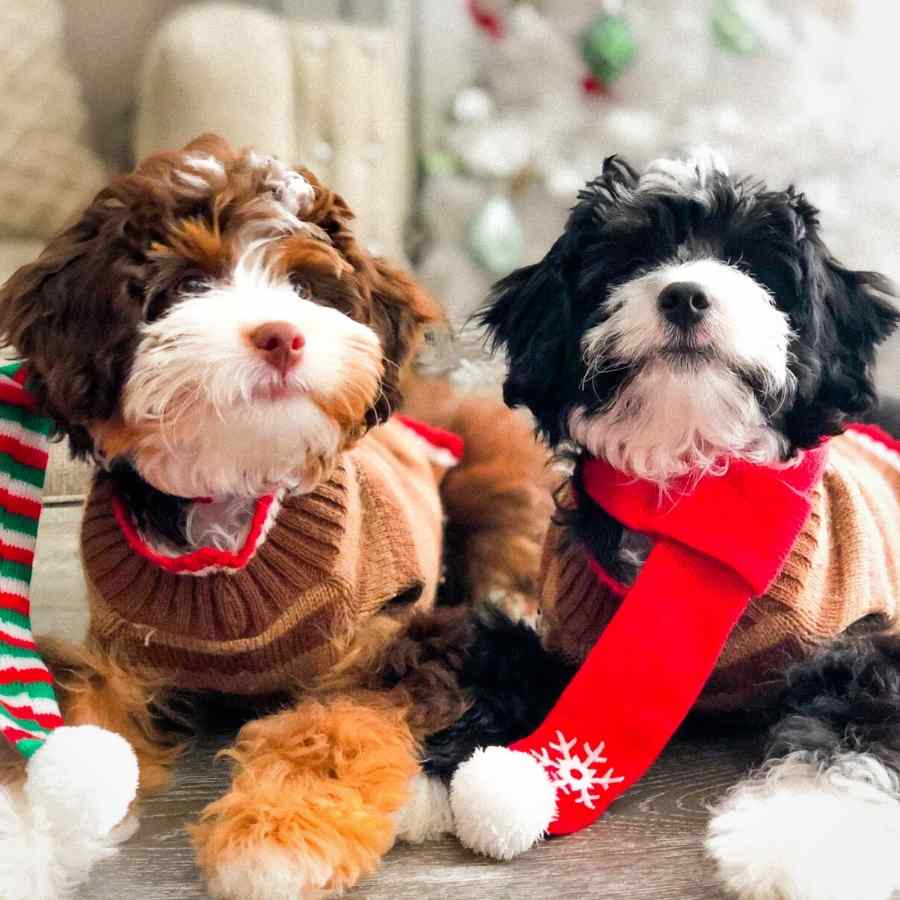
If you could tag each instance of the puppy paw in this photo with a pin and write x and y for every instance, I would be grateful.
(802, 831)
(312, 806)
(427, 815)
(277, 844)
(269, 873)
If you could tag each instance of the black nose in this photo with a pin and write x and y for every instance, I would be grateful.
(683, 303)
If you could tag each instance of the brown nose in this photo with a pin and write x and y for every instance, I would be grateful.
(281, 344)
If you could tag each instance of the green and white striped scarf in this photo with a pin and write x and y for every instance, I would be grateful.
(28, 707)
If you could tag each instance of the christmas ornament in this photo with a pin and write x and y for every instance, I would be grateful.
(608, 47)
(496, 237)
(497, 150)
(472, 104)
(80, 781)
(439, 162)
(732, 30)
(486, 19)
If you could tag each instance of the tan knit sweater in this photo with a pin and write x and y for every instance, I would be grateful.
(329, 561)
(844, 567)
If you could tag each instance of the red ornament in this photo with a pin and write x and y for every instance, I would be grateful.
(489, 23)
(592, 85)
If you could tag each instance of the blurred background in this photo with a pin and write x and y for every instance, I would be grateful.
(460, 130)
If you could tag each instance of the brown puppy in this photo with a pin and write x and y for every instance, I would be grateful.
(212, 334)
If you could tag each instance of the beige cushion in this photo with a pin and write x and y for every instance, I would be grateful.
(15, 253)
(198, 77)
(331, 96)
(47, 170)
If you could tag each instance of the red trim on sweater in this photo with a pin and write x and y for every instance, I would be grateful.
(437, 437)
(877, 434)
(212, 558)
(203, 558)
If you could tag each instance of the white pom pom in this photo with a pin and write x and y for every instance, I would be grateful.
(53, 828)
(503, 802)
(83, 779)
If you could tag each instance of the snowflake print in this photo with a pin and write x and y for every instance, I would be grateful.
(573, 774)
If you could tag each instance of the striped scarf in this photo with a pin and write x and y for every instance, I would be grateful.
(28, 707)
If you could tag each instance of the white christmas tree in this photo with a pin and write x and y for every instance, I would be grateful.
(796, 92)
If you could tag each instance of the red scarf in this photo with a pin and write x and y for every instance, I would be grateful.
(720, 542)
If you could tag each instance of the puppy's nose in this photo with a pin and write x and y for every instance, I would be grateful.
(683, 303)
(280, 342)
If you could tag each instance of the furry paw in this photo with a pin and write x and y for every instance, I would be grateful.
(427, 815)
(312, 806)
(269, 873)
(801, 831)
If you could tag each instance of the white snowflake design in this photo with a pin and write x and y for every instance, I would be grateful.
(572, 774)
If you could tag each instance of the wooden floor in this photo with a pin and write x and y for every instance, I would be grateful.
(648, 847)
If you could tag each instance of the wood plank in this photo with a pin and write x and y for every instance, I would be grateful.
(647, 848)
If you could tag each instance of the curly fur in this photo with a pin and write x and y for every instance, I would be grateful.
(153, 237)
(138, 324)
(626, 225)
(582, 333)
(617, 233)
(312, 804)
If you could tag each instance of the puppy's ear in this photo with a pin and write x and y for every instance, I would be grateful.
(862, 308)
(851, 313)
(529, 315)
(399, 310)
(57, 314)
(535, 314)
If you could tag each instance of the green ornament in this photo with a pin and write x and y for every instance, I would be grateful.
(439, 162)
(731, 29)
(608, 46)
(496, 237)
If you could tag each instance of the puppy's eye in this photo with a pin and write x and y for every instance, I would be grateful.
(303, 289)
(192, 285)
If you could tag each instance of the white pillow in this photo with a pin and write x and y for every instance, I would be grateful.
(48, 171)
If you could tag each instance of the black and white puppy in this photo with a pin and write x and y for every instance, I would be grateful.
(685, 315)
(686, 318)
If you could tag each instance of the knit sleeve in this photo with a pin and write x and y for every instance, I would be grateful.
(576, 606)
(842, 569)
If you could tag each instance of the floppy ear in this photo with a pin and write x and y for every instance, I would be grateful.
(862, 308)
(65, 313)
(852, 312)
(399, 310)
(529, 315)
(534, 313)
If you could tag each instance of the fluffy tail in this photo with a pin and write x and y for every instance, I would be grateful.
(498, 500)
(821, 818)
